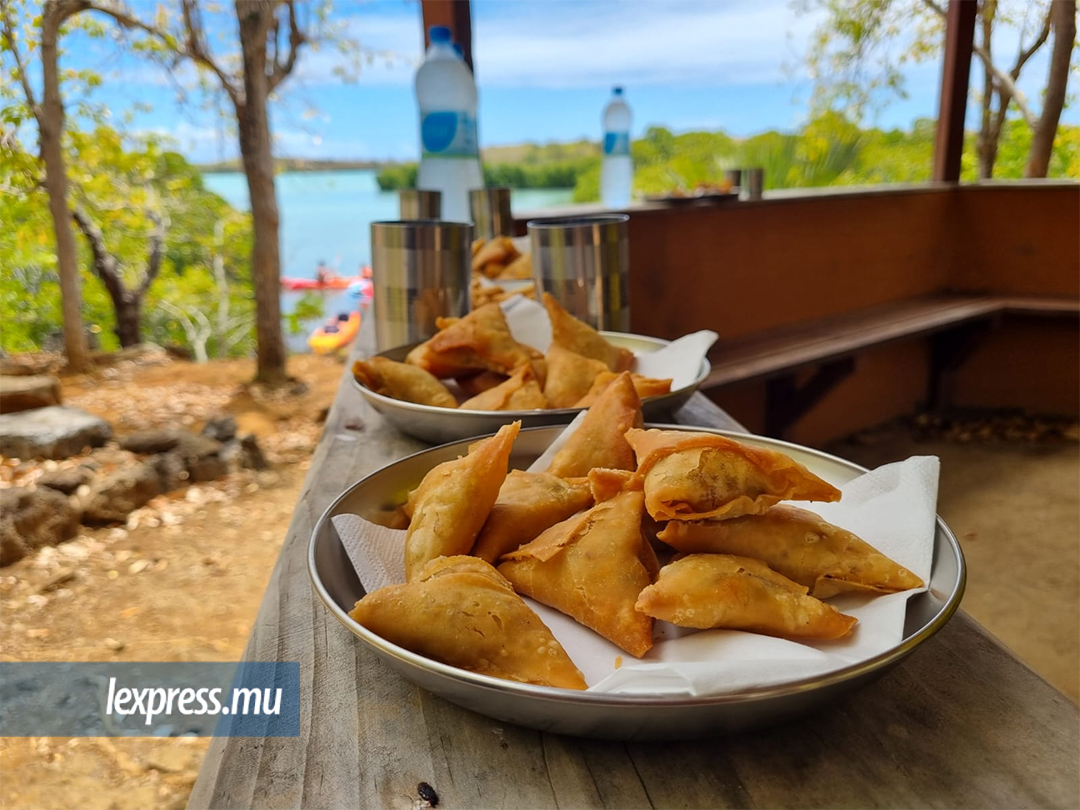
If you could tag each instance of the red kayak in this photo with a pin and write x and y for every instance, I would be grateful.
(333, 283)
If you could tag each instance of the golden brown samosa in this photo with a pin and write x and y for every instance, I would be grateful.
(454, 499)
(494, 255)
(592, 567)
(402, 381)
(606, 483)
(528, 504)
(690, 476)
(479, 341)
(569, 376)
(579, 337)
(520, 392)
(519, 268)
(723, 591)
(473, 384)
(462, 612)
(800, 545)
(600, 440)
(645, 386)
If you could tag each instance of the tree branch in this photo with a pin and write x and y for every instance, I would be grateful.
(157, 250)
(1044, 34)
(104, 261)
(930, 4)
(296, 39)
(1006, 86)
(193, 48)
(20, 68)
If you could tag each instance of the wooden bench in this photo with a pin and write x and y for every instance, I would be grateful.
(955, 325)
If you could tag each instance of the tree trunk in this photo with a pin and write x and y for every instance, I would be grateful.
(128, 319)
(50, 130)
(255, 150)
(1063, 20)
(985, 143)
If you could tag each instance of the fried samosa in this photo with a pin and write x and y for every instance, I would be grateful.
(691, 476)
(800, 545)
(473, 384)
(579, 337)
(569, 376)
(479, 341)
(521, 392)
(402, 381)
(723, 591)
(519, 268)
(600, 440)
(494, 255)
(451, 504)
(462, 612)
(645, 386)
(528, 504)
(592, 567)
(606, 483)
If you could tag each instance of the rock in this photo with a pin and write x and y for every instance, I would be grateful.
(23, 367)
(67, 481)
(208, 468)
(113, 497)
(149, 442)
(53, 432)
(253, 454)
(24, 393)
(202, 456)
(172, 470)
(31, 519)
(244, 453)
(222, 429)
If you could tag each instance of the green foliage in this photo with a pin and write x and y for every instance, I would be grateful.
(829, 150)
(397, 175)
(308, 308)
(117, 182)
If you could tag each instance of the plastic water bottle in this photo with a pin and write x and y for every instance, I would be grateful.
(616, 168)
(450, 157)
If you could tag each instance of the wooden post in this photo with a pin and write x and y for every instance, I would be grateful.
(455, 15)
(955, 70)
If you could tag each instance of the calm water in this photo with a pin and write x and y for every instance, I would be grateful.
(325, 216)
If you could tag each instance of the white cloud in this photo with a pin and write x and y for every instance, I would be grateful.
(702, 42)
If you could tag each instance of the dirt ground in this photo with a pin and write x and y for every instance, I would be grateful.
(184, 584)
(184, 579)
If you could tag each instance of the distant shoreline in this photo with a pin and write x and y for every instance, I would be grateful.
(298, 165)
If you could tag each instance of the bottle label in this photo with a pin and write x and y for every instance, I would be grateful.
(616, 143)
(448, 134)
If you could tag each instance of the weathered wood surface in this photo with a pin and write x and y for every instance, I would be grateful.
(961, 723)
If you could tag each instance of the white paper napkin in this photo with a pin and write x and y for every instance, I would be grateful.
(893, 508)
(680, 360)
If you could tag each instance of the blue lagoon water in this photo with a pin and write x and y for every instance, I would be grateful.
(326, 216)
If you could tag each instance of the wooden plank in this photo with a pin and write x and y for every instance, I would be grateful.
(962, 723)
(953, 99)
(779, 351)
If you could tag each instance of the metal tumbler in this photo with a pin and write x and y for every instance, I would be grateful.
(420, 272)
(490, 209)
(754, 183)
(584, 262)
(734, 177)
(418, 203)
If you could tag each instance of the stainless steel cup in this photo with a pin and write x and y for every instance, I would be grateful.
(734, 176)
(584, 262)
(420, 271)
(490, 209)
(418, 203)
(753, 183)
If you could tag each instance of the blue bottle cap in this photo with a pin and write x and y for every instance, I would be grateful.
(439, 33)
(617, 90)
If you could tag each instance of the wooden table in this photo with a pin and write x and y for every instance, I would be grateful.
(961, 723)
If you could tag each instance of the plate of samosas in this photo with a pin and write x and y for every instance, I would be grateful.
(474, 376)
(580, 592)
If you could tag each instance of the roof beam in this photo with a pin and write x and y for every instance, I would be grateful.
(455, 15)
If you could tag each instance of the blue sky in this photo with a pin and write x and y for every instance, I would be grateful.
(544, 69)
